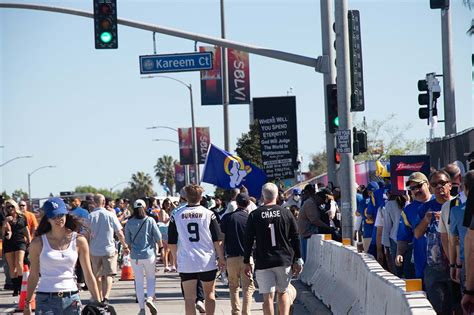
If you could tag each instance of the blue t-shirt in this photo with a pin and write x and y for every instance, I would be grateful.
(408, 220)
(456, 227)
(142, 239)
(431, 251)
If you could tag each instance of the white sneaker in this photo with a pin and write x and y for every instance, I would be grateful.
(200, 307)
(151, 306)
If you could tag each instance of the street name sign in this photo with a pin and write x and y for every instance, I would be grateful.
(343, 141)
(176, 62)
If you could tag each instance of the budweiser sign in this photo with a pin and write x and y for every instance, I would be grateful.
(415, 167)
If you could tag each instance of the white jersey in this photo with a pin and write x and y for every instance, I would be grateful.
(194, 229)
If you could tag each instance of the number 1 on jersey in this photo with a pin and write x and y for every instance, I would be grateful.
(271, 226)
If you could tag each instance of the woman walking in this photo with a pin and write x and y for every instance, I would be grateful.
(16, 237)
(163, 226)
(53, 254)
(142, 235)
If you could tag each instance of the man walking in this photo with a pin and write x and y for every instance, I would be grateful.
(233, 226)
(103, 225)
(278, 254)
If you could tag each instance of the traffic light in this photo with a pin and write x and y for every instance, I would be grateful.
(431, 92)
(337, 157)
(359, 144)
(105, 24)
(439, 4)
(333, 115)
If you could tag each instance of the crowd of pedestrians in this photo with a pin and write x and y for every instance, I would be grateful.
(426, 234)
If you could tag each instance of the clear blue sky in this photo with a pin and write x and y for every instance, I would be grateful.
(86, 110)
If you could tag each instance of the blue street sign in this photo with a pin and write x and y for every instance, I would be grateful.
(175, 62)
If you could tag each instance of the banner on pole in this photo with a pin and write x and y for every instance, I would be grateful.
(211, 80)
(203, 141)
(186, 156)
(239, 76)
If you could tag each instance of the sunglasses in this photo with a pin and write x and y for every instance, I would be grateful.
(10, 207)
(416, 187)
(441, 184)
(22, 205)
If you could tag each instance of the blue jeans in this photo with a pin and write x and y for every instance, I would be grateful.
(49, 304)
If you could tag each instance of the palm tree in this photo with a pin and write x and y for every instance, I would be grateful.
(164, 171)
(141, 185)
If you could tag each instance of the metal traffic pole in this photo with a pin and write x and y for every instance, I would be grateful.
(346, 170)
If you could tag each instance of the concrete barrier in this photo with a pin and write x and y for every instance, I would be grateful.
(349, 282)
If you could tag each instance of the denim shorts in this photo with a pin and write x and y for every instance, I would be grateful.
(51, 304)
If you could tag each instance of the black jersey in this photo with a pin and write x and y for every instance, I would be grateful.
(276, 234)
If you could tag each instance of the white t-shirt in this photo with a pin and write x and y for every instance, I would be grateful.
(194, 229)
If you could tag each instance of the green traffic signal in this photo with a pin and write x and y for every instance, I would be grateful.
(106, 37)
(336, 121)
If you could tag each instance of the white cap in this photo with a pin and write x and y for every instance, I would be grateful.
(139, 203)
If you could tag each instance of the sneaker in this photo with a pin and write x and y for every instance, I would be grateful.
(167, 269)
(173, 269)
(142, 311)
(151, 306)
(200, 307)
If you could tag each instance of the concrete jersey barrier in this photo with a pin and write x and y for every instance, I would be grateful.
(349, 282)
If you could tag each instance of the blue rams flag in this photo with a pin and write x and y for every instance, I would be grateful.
(230, 171)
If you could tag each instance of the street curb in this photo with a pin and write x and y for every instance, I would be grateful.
(306, 297)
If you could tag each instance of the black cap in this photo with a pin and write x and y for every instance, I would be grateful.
(309, 188)
(242, 199)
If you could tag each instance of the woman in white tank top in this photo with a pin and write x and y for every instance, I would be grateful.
(54, 254)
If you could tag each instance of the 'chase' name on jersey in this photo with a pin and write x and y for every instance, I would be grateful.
(191, 215)
(270, 214)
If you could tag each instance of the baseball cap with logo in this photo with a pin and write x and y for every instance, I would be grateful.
(54, 207)
(139, 203)
(417, 177)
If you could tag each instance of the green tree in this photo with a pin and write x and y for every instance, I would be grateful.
(141, 185)
(93, 190)
(384, 138)
(318, 164)
(248, 146)
(164, 171)
(19, 194)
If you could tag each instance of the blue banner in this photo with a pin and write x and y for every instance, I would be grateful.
(230, 171)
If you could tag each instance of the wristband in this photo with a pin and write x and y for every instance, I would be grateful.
(468, 292)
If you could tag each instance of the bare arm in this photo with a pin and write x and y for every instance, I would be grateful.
(446, 242)
(121, 237)
(84, 258)
(35, 250)
(219, 246)
(423, 225)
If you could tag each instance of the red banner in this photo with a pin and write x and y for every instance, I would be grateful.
(239, 76)
(211, 80)
(203, 140)
(186, 156)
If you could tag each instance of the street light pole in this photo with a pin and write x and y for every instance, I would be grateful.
(121, 183)
(169, 140)
(166, 127)
(225, 84)
(193, 128)
(29, 180)
(16, 158)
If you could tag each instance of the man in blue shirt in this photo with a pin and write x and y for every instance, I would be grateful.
(436, 278)
(368, 216)
(459, 231)
(417, 184)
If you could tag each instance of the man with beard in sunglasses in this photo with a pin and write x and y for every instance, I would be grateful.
(436, 278)
(418, 185)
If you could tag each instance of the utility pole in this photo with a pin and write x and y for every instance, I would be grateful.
(328, 77)
(225, 83)
(346, 170)
(448, 79)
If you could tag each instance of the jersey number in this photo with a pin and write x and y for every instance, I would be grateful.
(193, 229)
(271, 226)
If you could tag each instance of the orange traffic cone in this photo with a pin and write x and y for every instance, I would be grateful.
(24, 285)
(127, 272)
